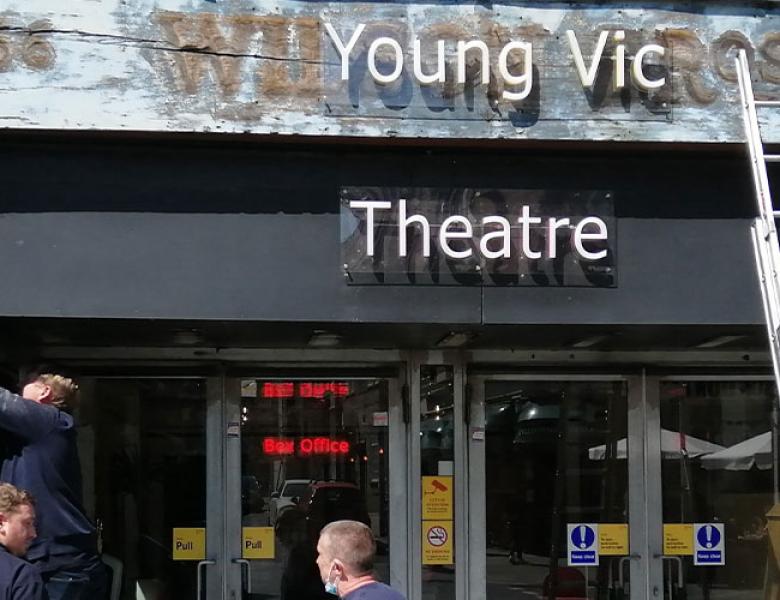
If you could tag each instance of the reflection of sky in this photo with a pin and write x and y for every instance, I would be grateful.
(349, 223)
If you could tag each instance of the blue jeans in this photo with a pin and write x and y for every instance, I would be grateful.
(88, 583)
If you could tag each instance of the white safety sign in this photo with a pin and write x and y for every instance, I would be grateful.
(583, 544)
(708, 544)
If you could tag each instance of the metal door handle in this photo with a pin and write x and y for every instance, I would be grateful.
(199, 576)
(621, 566)
(245, 564)
(678, 560)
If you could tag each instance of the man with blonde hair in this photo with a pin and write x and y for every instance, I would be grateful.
(19, 580)
(38, 453)
(346, 551)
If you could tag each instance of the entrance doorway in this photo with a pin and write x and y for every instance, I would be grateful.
(546, 453)
(217, 487)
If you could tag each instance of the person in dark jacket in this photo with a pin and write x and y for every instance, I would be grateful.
(38, 453)
(19, 580)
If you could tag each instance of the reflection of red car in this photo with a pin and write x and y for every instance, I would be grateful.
(328, 501)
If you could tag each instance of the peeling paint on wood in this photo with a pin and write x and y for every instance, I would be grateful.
(271, 68)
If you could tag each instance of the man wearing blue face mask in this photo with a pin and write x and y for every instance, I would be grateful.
(346, 551)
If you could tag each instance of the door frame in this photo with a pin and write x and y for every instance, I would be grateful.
(653, 384)
(638, 459)
(230, 443)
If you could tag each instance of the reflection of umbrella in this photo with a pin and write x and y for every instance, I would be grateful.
(741, 457)
(670, 447)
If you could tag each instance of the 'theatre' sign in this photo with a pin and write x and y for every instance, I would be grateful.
(478, 236)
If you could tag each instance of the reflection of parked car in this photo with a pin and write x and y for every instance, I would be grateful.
(284, 498)
(328, 501)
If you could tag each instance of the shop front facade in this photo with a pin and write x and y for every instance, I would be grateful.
(309, 264)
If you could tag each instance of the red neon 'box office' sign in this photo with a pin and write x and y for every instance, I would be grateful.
(307, 446)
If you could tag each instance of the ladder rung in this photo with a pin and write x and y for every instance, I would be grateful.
(772, 157)
(768, 103)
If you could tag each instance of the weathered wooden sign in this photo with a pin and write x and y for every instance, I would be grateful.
(385, 69)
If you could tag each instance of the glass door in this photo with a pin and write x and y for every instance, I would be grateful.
(149, 449)
(719, 487)
(308, 451)
(548, 463)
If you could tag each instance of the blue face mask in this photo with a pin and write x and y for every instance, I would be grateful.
(330, 586)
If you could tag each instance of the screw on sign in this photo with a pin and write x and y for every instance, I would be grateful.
(437, 536)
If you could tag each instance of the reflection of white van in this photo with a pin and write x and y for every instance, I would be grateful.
(282, 499)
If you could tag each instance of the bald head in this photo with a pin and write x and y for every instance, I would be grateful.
(352, 543)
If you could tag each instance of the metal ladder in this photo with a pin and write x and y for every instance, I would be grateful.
(764, 231)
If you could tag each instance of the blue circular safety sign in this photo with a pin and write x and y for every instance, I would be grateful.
(708, 536)
(583, 537)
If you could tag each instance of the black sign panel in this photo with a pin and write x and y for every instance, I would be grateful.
(441, 236)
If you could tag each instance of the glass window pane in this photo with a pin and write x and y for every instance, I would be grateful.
(312, 452)
(437, 466)
(555, 453)
(148, 444)
(719, 466)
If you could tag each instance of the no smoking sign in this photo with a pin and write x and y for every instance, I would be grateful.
(437, 543)
(437, 536)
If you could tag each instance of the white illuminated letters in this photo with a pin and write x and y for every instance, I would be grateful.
(439, 75)
(512, 65)
(525, 78)
(399, 60)
(468, 53)
(370, 206)
(503, 235)
(343, 50)
(445, 234)
(404, 222)
(588, 74)
(638, 77)
(580, 235)
(491, 235)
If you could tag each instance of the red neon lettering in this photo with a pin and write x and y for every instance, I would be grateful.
(317, 446)
(280, 446)
(273, 389)
(305, 390)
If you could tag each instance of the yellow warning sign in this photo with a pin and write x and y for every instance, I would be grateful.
(678, 539)
(613, 539)
(258, 542)
(437, 498)
(189, 543)
(437, 543)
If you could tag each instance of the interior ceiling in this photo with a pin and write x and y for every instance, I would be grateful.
(25, 337)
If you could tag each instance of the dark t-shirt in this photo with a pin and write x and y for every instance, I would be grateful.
(374, 591)
(19, 580)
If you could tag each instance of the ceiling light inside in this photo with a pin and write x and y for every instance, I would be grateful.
(455, 339)
(721, 340)
(591, 341)
(324, 339)
(187, 337)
